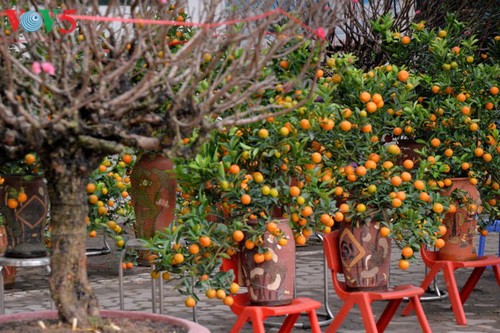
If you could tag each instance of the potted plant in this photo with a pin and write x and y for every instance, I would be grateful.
(456, 129)
(109, 206)
(236, 195)
(265, 191)
(378, 192)
(248, 181)
(107, 188)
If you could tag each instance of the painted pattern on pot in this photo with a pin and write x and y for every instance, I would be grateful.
(272, 282)
(365, 256)
(25, 224)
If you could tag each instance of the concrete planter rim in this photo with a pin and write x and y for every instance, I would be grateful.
(190, 326)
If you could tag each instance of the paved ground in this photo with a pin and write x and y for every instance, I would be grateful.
(482, 309)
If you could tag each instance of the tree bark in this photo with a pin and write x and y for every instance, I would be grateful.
(70, 289)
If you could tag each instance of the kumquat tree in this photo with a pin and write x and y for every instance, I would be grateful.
(94, 80)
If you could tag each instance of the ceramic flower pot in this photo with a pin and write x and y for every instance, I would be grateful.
(460, 226)
(25, 223)
(365, 256)
(272, 282)
(153, 195)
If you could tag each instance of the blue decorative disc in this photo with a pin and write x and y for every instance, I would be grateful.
(31, 21)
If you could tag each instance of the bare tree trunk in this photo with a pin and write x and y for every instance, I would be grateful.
(69, 285)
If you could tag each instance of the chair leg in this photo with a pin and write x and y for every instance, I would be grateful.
(367, 314)
(425, 284)
(238, 325)
(258, 323)
(288, 323)
(2, 301)
(454, 296)
(313, 320)
(120, 280)
(419, 312)
(153, 291)
(388, 313)
(496, 270)
(50, 298)
(339, 318)
(471, 283)
(498, 254)
(480, 247)
(258, 327)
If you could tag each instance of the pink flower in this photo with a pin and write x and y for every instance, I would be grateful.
(35, 68)
(321, 33)
(355, 1)
(417, 12)
(163, 1)
(47, 67)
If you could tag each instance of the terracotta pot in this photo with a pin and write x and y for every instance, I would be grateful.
(25, 225)
(153, 195)
(408, 150)
(271, 282)
(185, 325)
(461, 226)
(365, 256)
(9, 272)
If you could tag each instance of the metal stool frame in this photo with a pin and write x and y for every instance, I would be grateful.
(21, 262)
(137, 244)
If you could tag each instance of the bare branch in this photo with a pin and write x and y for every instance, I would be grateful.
(154, 81)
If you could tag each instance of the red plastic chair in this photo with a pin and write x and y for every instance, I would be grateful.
(257, 314)
(364, 298)
(457, 299)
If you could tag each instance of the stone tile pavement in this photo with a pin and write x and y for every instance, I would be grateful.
(482, 309)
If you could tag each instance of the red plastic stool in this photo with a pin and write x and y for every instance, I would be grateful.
(257, 314)
(364, 298)
(457, 299)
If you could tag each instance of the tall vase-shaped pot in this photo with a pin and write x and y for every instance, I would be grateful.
(271, 283)
(365, 256)
(26, 220)
(9, 272)
(461, 225)
(153, 195)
